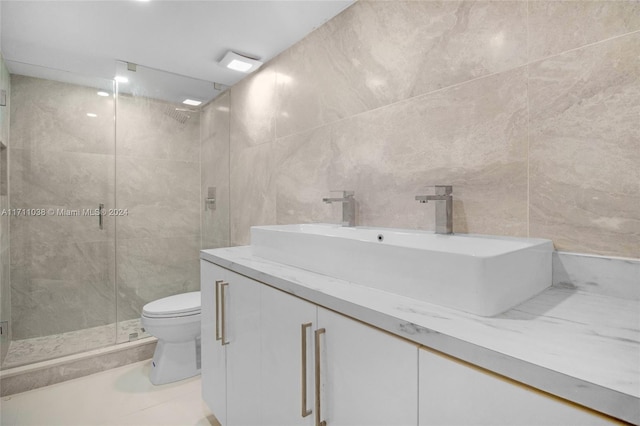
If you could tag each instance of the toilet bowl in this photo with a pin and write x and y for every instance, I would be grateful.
(175, 321)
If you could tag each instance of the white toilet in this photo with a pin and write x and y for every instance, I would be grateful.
(175, 321)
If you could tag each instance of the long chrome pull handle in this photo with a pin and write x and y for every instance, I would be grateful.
(223, 326)
(318, 333)
(100, 209)
(304, 328)
(218, 282)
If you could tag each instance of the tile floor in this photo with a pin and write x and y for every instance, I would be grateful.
(121, 396)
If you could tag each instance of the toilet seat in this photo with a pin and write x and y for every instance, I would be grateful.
(179, 305)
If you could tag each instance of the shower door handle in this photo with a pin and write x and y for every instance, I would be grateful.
(100, 209)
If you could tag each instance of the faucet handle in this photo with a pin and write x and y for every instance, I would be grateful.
(345, 193)
(443, 189)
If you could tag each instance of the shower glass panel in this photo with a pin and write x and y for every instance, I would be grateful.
(61, 157)
(110, 185)
(158, 197)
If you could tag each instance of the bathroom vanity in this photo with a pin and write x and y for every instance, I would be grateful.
(286, 345)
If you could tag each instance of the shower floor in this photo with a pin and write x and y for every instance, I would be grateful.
(28, 351)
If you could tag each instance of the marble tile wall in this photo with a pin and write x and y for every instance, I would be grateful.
(158, 182)
(61, 266)
(65, 269)
(529, 108)
(5, 287)
(214, 145)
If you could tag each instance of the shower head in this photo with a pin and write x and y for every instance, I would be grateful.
(181, 115)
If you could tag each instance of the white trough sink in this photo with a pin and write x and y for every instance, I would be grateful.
(481, 274)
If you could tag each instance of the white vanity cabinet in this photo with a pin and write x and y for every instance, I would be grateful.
(270, 358)
(368, 377)
(287, 370)
(453, 392)
(230, 345)
(257, 372)
(213, 356)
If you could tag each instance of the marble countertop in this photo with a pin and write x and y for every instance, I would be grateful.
(580, 346)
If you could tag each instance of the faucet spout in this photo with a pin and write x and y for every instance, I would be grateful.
(444, 207)
(335, 200)
(427, 198)
(348, 207)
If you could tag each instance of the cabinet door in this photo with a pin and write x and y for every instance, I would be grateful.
(453, 392)
(213, 357)
(368, 377)
(242, 342)
(287, 327)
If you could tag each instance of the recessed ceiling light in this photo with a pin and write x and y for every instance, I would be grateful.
(121, 79)
(92, 115)
(103, 93)
(191, 102)
(240, 63)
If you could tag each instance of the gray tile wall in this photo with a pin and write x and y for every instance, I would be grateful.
(158, 182)
(61, 266)
(214, 145)
(528, 108)
(65, 269)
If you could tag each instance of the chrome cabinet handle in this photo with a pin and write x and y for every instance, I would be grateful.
(223, 326)
(304, 328)
(318, 333)
(218, 282)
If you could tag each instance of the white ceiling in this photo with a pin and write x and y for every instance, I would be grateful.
(80, 41)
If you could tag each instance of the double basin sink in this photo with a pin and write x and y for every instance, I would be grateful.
(479, 274)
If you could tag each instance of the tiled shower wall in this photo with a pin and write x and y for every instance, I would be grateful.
(528, 108)
(158, 181)
(64, 269)
(214, 160)
(5, 288)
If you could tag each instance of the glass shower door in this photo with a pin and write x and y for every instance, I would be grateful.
(62, 239)
(157, 190)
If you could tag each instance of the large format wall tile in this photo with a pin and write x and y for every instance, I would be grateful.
(152, 268)
(303, 177)
(158, 182)
(253, 108)
(585, 148)
(52, 116)
(65, 264)
(71, 179)
(252, 191)
(60, 287)
(154, 129)
(215, 173)
(471, 136)
(162, 198)
(557, 26)
(376, 53)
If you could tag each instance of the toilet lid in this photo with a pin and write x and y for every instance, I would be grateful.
(179, 305)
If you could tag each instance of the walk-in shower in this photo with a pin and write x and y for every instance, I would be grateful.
(105, 210)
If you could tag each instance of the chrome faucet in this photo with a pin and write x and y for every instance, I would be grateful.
(444, 208)
(348, 207)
